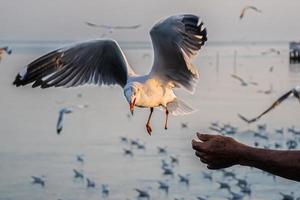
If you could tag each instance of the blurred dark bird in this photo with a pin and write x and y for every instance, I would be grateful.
(262, 136)
(60, 121)
(293, 92)
(105, 190)
(79, 158)
(261, 127)
(246, 8)
(236, 196)
(143, 193)
(124, 139)
(293, 130)
(207, 176)
(184, 125)
(291, 144)
(184, 178)
(287, 196)
(134, 142)
(228, 173)
(163, 185)
(202, 198)
(174, 160)
(246, 190)
(241, 182)
(128, 152)
(162, 150)
(77, 174)
(3, 50)
(165, 164)
(90, 183)
(271, 69)
(38, 180)
(224, 185)
(279, 131)
(141, 146)
(242, 81)
(215, 124)
(168, 171)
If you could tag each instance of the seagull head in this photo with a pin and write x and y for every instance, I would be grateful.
(132, 93)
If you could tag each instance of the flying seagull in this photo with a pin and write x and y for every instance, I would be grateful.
(242, 81)
(248, 8)
(112, 27)
(3, 50)
(61, 113)
(293, 92)
(176, 40)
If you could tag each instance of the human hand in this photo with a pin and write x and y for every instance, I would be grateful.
(217, 151)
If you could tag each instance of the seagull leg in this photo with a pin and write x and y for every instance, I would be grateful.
(148, 127)
(166, 122)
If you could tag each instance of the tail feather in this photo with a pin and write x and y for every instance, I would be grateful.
(178, 107)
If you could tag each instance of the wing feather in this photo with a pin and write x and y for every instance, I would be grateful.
(93, 62)
(176, 40)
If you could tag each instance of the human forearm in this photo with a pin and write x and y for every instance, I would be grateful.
(283, 163)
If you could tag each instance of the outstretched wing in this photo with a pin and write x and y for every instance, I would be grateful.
(276, 103)
(239, 78)
(247, 8)
(93, 62)
(175, 41)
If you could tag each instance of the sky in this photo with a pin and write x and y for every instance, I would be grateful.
(45, 20)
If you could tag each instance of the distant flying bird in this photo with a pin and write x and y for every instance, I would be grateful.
(162, 150)
(60, 121)
(176, 40)
(128, 152)
(3, 50)
(90, 183)
(143, 193)
(293, 92)
(174, 160)
(105, 190)
(112, 27)
(77, 174)
(184, 125)
(184, 178)
(79, 158)
(246, 8)
(38, 180)
(242, 81)
(168, 171)
(163, 185)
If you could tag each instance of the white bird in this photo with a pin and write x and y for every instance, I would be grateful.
(112, 27)
(176, 40)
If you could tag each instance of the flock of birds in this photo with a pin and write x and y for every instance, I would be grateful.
(232, 184)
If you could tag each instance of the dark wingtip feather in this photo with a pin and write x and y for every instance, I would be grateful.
(245, 119)
(18, 81)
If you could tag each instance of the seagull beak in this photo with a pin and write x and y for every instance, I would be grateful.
(131, 105)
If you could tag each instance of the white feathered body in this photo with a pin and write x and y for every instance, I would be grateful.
(154, 92)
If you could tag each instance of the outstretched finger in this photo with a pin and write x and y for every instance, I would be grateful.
(198, 145)
(204, 137)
